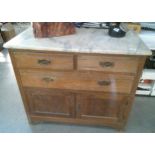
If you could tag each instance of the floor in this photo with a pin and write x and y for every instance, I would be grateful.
(13, 117)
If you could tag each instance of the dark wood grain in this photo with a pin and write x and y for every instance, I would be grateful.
(52, 29)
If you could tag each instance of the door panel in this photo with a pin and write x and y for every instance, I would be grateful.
(100, 106)
(50, 102)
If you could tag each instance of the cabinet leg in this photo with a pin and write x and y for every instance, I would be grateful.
(33, 122)
(121, 128)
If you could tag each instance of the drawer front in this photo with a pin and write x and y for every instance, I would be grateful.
(94, 81)
(108, 63)
(44, 61)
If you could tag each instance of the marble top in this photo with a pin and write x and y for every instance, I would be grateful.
(149, 38)
(84, 41)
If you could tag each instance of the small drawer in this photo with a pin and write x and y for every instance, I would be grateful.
(95, 81)
(108, 63)
(43, 60)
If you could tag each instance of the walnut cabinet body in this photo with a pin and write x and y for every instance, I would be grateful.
(79, 88)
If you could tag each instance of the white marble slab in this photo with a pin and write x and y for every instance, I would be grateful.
(84, 41)
(149, 38)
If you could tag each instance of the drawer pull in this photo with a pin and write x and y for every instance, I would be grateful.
(44, 61)
(104, 83)
(48, 79)
(106, 64)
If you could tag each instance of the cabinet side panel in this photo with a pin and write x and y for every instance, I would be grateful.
(17, 75)
(128, 107)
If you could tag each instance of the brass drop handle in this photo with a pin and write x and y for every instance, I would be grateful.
(44, 61)
(104, 83)
(48, 79)
(106, 64)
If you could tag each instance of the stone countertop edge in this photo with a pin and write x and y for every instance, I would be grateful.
(83, 41)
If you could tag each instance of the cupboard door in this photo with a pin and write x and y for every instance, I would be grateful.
(50, 102)
(99, 106)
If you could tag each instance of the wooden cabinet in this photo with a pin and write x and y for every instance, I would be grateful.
(77, 88)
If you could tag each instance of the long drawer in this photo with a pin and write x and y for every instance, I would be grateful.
(92, 81)
(44, 60)
(108, 63)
